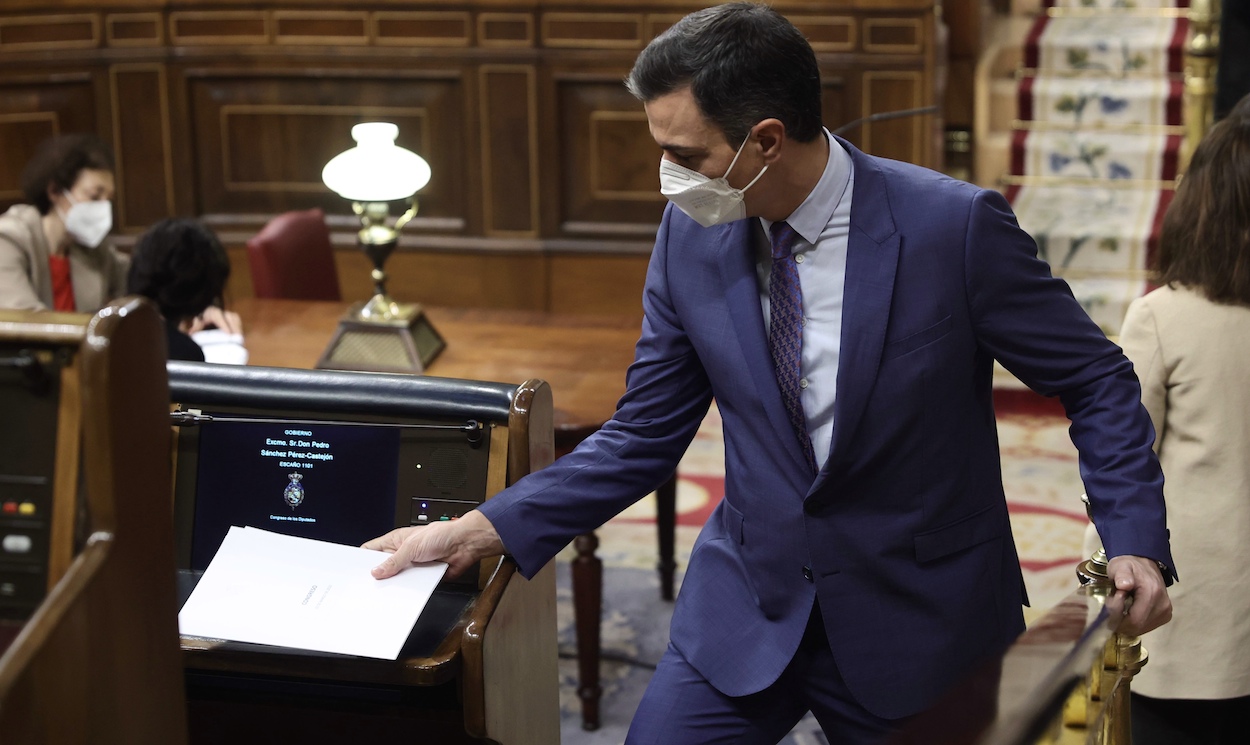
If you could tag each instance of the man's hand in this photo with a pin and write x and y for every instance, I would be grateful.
(1141, 578)
(460, 543)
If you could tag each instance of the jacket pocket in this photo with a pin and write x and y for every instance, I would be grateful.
(978, 527)
(912, 342)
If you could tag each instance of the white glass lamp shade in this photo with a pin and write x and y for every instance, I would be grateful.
(376, 170)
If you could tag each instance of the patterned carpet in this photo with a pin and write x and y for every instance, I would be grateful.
(1043, 490)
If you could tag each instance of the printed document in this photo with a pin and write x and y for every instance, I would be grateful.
(268, 588)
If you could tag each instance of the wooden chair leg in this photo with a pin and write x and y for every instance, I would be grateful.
(587, 611)
(587, 571)
(666, 528)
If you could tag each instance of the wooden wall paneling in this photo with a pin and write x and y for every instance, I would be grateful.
(834, 33)
(262, 140)
(434, 28)
(593, 30)
(604, 283)
(216, 27)
(511, 280)
(509, 131)
(22, 132)
(50, 32)
(505, 30)
(836, 106)
(542, 162)
(894, 35)
(609, 181)
(34, 108)
(134, 30)
(337, 27)
(964, 22)
(901, 139)
(141, 144)
(658, 23)
(182, 142)
(507, 280)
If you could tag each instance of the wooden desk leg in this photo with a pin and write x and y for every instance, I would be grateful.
(666, 527)
(587, 610)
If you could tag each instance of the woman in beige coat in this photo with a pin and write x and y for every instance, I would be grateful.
(52, 250)
(1189, 341)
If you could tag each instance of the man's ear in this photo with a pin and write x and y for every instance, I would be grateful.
(771, 135)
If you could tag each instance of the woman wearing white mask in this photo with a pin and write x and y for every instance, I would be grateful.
(53, 255)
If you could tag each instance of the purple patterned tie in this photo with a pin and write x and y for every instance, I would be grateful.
(785, 332)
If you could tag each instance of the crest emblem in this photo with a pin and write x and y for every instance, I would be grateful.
(293, 494)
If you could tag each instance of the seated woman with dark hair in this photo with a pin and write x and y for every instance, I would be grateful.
(182, 267)
(52, 250)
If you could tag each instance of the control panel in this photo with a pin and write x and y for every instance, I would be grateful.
(29, 398)
(426, 510)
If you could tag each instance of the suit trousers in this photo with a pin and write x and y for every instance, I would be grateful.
(680, 707)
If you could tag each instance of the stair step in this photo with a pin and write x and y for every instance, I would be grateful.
(1093, 154)
(1115, 5)
(1100, 240)
(1109, 44)
(1100, 103)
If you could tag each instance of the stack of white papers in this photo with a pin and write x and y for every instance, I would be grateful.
(268, 588)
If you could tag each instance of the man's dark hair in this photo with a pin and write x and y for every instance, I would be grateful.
(181, 266)
(1205, 240)
(743, 62)
(58, 161)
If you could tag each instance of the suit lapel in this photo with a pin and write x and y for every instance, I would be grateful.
(742, 295)
(872, 259)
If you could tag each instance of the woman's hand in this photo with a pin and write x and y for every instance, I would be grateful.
(227, 321)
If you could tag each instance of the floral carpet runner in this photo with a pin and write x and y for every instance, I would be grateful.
(1095, 152)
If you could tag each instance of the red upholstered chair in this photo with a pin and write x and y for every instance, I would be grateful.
(291, 258)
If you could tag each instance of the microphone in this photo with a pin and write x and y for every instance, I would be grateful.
(884, 116)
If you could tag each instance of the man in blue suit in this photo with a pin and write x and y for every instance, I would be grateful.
(844, 311)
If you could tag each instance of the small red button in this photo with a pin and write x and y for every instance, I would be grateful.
(10, 508)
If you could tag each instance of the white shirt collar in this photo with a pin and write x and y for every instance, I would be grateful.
(811, 217)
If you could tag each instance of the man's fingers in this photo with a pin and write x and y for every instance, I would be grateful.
(1115, 604)
(459, 543)
(411, 545)
(388, 568)
(388, 542)
(1139, 577)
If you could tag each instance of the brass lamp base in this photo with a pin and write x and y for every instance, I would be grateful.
(402, 339)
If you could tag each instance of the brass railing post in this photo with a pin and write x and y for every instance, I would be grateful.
(1122, 659)
(1201, 49)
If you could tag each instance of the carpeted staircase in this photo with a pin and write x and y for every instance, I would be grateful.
(1082, 127)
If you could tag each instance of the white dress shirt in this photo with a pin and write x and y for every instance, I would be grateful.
(823, 223)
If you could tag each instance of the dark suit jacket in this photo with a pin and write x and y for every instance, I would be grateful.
(905, 529)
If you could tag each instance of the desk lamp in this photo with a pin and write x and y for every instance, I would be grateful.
(380, 334)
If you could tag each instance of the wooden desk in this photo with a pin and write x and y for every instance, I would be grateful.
(582, 358)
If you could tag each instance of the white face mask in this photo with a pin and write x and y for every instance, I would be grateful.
(88, 222)
(708, 201)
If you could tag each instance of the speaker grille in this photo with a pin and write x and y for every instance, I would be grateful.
(449, 468)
